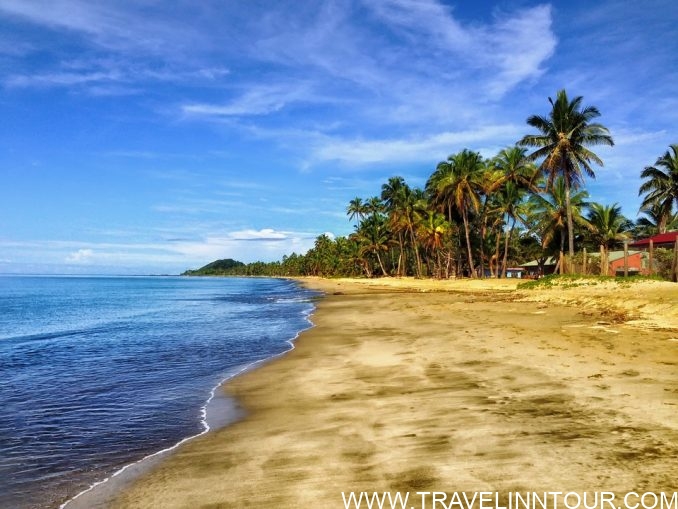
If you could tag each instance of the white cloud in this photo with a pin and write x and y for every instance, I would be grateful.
(80, 256)
(173, 256)
(254, 102)
(264, 234)
(61, 79)
(425, 148)
(508, 51)
(259, 100)
(115, 25)
(111, 77)
(519, 46)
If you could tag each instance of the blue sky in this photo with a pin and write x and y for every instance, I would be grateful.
(149, 136)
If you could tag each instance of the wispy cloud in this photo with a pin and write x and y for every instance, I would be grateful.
(122, 25)
(259, 100)
(61, 79)
(111, 77)
(508, 51)
(359, 152)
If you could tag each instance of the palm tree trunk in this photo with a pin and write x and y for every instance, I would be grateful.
(468, 243)
(401, 254)
(483, 231)
(381, 265)
(416, 250)
(506, 246)
(496, 254)
(570, 225)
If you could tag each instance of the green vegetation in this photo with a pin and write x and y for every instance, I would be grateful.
(661, 188)
(217, 268)
(573, 281)
(479, 216)
(562, 146)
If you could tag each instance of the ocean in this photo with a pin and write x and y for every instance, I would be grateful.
(99, 372)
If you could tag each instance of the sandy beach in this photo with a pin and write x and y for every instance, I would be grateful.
(410, 386)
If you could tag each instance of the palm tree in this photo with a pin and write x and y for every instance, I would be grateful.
(436, 183)
(415, 206)
(607, 226)
(458, 182)
(395, 195)
(508, 201)
(515, 166)
(374, 206)
(373, 237)
(655, 221)
(518, 173)
(431, 231)
(491, 179)
(356, 209)
(661, 186)
(552, 209)
(562, 146)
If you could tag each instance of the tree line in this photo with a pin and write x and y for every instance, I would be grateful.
(478, 216)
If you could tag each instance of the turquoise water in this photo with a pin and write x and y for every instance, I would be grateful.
(98, 372)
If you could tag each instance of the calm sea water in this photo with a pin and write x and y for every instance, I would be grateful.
(98, 372)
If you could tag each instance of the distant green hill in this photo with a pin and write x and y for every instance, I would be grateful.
(218, 268)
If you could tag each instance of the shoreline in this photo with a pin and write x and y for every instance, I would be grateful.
(325, 412)
(101, 494)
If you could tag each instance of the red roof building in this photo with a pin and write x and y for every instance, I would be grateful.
(662, 240)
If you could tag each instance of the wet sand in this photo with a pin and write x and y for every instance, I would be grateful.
(407, 386)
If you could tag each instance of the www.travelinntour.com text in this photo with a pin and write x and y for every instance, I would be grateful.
(510, 500)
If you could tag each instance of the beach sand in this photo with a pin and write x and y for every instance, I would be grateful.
(410, 386)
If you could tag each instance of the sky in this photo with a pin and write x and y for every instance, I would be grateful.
(153, 136)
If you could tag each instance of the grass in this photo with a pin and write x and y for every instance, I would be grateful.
(575, 280)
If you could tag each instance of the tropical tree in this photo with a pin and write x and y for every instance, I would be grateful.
(357, 209)
(655, 222)
(515, 166)
(508, 200)
(517, 174)
(321, 259)
(607, 227)
(562, 146)
(551, 208)
(457, 182)
(373, 238)
(490, 180)
(436, 184)
(661, 186)
(431, 231)
(395, 195)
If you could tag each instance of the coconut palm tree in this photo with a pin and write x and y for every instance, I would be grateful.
(395, 195)
(357, 209)
(489, 182)
(654, 222)
(607, 227)
(431, 231)
(562, 146)
(373, 238)
(457, 182)
(551, 207)
(515, 166)
(507, 202)
(661, 186)
(517, 174)
(434, 185)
